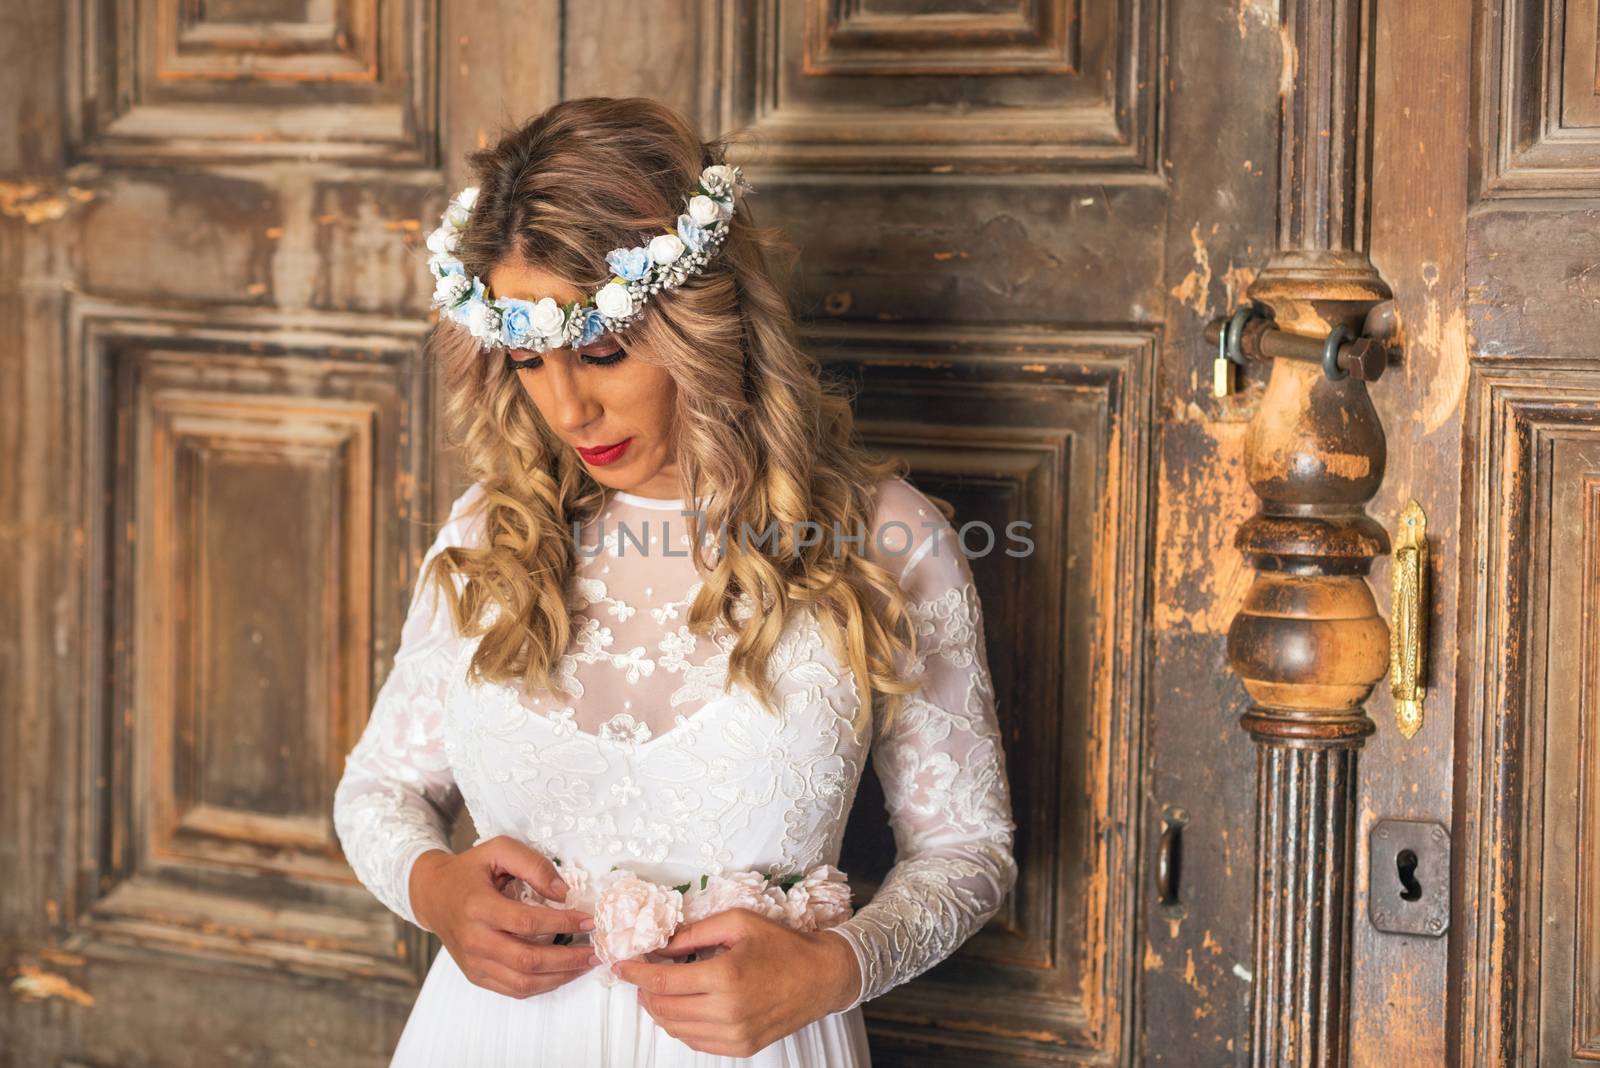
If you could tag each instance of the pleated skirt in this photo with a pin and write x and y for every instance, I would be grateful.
(586, 1024)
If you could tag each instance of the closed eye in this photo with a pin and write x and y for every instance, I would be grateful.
(601, 359)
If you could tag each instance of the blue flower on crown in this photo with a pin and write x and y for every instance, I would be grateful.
(461, 311)
(462, 298)
(516, 323)
(457, 310)
(593, 326)
(631, 264)
(692, 233)
(444, 265)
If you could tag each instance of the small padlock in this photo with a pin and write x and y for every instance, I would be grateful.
(1222, 374)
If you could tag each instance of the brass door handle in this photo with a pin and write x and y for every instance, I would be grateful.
(1408, 623)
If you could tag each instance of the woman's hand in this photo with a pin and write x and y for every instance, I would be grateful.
(770, 982)
(491, 937)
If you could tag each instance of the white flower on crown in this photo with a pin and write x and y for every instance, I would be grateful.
(703, 210)
(450, 289)
(614, 301)
(546, 324)
(483, 320)
(456, 216)
(666, 247)
(718, 179)
(443, 240)
(548, 318)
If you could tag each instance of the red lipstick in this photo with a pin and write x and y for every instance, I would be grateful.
(604, 454)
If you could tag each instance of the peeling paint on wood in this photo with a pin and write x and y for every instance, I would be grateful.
(1255, 13)
(33, 983)
(1200, 576)
(1195, 289)
(38, 202)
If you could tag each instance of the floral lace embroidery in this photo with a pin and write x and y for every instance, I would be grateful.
(943, 769)
(698, 778)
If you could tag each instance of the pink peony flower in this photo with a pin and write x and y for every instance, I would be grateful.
(581, 890)
(737, 890)
(819, 901)
(633, 917)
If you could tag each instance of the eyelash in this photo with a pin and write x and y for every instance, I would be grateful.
(533, 362)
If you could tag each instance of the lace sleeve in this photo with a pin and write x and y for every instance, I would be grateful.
(397, 798)
(943, 774)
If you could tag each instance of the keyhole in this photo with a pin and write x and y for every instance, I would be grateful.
(1406, 862)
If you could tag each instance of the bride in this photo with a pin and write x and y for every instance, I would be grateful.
(654, 642)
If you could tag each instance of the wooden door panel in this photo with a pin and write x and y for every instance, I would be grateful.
(1569, 938)
(348, 80)
(879, 87)
(228, 479)
(1531, 875)
(1537, 98)
(976, 195)
(1529, 975)
(241, 504)
(1002, 246)
(1049, 435)
(1399, 984)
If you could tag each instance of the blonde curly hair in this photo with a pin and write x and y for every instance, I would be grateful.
(757, 429)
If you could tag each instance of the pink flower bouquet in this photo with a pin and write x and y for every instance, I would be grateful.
(635, 917)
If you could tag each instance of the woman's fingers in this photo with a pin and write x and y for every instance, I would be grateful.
(506, 854)
(526, 958)
(683, 1008)
(492, 975)
(700, 977)
(530, 920)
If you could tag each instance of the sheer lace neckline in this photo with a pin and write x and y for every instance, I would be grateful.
(672, 505)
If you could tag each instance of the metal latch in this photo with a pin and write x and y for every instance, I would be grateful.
(1250, 334)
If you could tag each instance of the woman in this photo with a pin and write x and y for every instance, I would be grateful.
(657, 723)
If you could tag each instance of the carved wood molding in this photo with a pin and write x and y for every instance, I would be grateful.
(1536, 98)
(158, 80)
(851, 37)
(188, 795)
(1309, 643)
(1050, 425)
(1526, 950)
(1056, 86)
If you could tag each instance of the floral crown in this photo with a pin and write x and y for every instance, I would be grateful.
(637, 273)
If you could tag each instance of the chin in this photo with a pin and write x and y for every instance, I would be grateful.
(612, 482)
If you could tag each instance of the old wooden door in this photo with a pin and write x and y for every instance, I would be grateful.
(1444, 154)
(1527, 947)
(1016, 221)
(229, 460)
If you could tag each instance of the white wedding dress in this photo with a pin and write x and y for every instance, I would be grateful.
(649, 765)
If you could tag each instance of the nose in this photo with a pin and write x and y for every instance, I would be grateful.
(569, 405)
